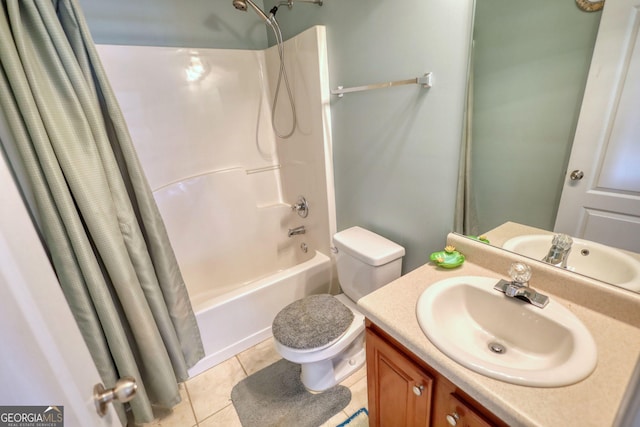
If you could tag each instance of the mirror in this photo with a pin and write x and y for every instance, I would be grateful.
(591, 259)
(529, 68)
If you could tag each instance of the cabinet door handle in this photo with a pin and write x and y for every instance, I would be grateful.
(452, 419)
(418, 389)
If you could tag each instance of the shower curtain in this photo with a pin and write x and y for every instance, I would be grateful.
(466, 221)
(72, 155)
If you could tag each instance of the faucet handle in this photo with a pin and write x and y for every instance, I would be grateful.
(301, 206)
(520, 273)
(562, 241)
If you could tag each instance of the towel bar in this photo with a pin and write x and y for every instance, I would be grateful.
(426, 81)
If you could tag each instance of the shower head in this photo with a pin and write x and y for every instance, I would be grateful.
(242, 5)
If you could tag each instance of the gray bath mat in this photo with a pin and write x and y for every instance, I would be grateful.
(275, 396)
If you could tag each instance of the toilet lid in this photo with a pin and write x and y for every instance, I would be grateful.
(312, 322)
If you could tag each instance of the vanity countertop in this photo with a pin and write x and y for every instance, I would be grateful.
(591, 402)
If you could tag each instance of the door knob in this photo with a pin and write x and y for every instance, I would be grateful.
(417, 390)
(122, 392)
(576, 175)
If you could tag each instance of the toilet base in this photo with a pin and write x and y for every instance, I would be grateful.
(322, 375)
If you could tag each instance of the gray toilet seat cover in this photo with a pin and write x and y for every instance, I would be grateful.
(312, 322)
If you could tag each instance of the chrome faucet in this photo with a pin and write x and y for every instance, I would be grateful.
(301, 206)
(296, 231)
(559, 251)
(519, 286)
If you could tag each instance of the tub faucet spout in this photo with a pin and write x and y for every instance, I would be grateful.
(296, 231)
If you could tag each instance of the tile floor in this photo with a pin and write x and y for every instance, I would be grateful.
(206, 398)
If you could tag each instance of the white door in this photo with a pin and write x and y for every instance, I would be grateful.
(601, 201)
(43, 358)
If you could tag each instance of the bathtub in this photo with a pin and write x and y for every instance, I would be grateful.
(239, 265)
(224, 183)
(235, 321)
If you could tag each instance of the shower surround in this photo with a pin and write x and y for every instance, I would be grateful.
(201, 122)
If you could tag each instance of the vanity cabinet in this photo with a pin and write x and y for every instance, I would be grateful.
(400, 392)
(404, 391)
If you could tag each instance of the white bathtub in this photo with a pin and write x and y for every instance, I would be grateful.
(225, 184)
(235, 321)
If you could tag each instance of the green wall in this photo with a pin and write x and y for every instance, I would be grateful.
(395, 149)
(188, 23)
(531, 64)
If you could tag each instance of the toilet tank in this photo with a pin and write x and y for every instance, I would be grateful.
(365, 261)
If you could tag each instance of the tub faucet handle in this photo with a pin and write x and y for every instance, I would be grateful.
(301, 206)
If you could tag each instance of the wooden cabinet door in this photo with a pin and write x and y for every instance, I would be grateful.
(400, 392)
(460, 414)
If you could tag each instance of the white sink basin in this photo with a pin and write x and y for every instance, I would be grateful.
(589, 258)
(472, 323)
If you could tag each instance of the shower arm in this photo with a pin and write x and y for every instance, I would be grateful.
(289, 3)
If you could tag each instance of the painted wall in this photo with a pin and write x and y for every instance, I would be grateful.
(395, 149)
(530, 70)
(189, 23)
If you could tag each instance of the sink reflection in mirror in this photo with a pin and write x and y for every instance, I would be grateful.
(588, 258)
(598, 261)
(505, 338)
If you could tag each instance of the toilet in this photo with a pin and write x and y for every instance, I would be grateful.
(325, 333)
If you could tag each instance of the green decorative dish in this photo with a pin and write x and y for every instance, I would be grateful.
(483, 239)
(446, 259)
